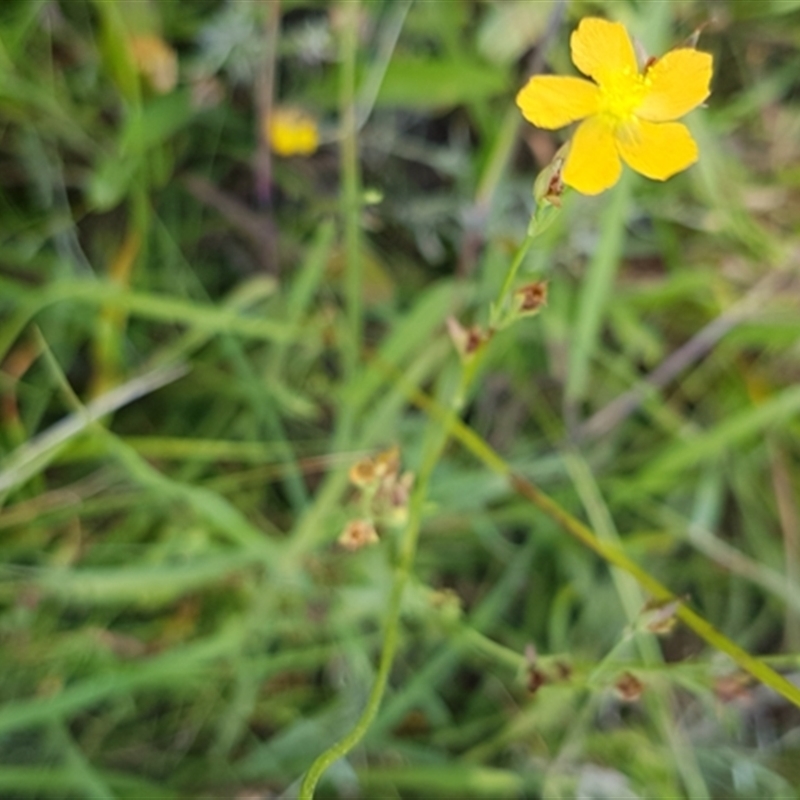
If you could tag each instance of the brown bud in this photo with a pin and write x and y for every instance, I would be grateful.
(536, 679)
(660, 617)
(628, 687)
(531, 297)
(548, 186)
(358, 533)
(362, 473)
(467, 341)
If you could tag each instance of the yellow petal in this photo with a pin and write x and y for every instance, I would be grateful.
(592, 162)
(657, 149)
(676, 83)
(550, 101)
(291, 132)
(601, 48)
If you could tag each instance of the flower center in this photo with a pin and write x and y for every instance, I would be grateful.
(621, 94)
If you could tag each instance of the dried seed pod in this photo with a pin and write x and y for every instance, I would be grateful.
(358, 533)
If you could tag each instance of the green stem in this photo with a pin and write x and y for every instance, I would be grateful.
(390, 641)
(496, 314)
(612, 554)
(540, 221)
(408, 547)
(351, 182)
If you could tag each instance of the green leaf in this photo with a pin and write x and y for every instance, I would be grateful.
(156, 122)
(511, 28)
(435, 83)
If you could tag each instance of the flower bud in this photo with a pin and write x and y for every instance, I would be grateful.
(529, 299)
(628, 687)
(358, 533)
(548, 186)
(467, 341)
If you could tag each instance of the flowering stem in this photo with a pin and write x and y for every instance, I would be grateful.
(540, 221)
(439, 436)
(408, 549)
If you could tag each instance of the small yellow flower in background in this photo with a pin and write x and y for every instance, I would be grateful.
(155, 61)
(625, 113)
(291, 132)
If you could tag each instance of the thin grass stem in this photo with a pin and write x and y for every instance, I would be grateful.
(613, 555)
(351, 185)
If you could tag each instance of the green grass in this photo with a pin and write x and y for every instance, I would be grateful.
(199, 339)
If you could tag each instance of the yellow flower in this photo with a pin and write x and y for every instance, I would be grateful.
(291, 132)
(626, 113)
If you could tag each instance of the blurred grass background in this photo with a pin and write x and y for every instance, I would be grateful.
(198, 339)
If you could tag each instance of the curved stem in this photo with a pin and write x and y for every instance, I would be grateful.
(408, 547)
(610, 553)
(348, 742)
(351, 187)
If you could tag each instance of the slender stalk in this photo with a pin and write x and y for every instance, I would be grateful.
(540, 221)
(436, 444)
(510, 276)
(613, 555)
(351, 185)
(390, 642)
(408, 549)
(264, 97)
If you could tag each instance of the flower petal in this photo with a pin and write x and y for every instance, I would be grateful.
(657, 150)
(677, 83)
(601, 48)
(592, 162)
(550, 101)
